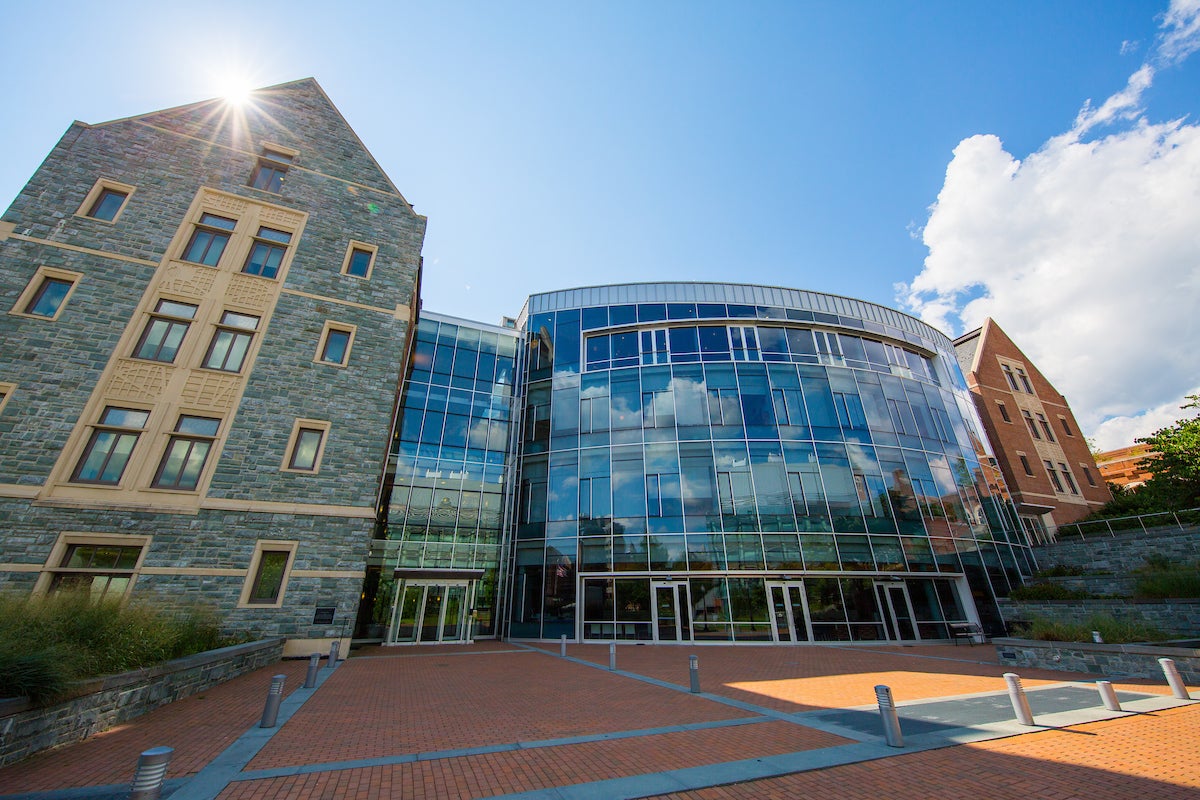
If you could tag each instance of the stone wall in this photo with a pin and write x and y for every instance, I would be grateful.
(1124, 552)
(1179, 618)
(111, 700)
(1109, 660)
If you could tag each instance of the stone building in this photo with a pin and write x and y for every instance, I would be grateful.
(1045, 460)
(205, 316)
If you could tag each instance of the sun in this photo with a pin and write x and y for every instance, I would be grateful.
(234, 87)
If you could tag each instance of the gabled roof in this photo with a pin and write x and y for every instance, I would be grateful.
(266, 116)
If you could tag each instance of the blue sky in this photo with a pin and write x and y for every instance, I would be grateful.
(798, 144)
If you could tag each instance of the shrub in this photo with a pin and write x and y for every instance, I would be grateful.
(47, 642)
(1184, 582)
(1112, 630)
(1046, 591)
(1059, 571)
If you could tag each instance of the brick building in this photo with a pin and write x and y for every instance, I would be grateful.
(205, 317)
(1125, 466)
(1043, 456)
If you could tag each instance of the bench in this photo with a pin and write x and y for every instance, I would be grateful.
(970, 631)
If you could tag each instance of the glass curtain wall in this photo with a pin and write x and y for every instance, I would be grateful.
(442, 508)
(732, 472)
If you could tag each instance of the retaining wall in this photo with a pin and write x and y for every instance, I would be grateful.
(1180, 618)
(101, 703)
(1124, 552)
(1108, 660)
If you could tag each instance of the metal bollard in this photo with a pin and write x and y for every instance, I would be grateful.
(333, 653)
(1020, 704)
(562, 646)
(151, 770)
(612, 656)
(314, 665)
(1174, 679)
(887, 712)
(1097, 638)
(1108, 695)
(694, 673)
(274, 698)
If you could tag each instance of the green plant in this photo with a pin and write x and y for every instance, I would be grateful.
(1046, 591)
(1112, 630)
(1171, 583)
(49, 641)
(1157, 561)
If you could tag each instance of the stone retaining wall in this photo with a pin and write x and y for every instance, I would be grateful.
(26, 729)
(1179, 618)
(1124, 552)
(1108, 660)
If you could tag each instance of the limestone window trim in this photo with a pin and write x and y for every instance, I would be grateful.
(42, 279)
(296, 457)
(264, 549)
(271, 167)
(104, 189)
(324, 345)
(353, 260)
(55, 566)
(6, 393)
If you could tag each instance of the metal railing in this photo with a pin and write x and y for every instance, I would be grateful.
(1143, 522)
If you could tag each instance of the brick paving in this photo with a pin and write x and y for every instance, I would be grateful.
(198, 727)
(538, 722)
(1142, 756)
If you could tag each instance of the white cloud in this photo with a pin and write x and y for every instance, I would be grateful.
(1087, 252)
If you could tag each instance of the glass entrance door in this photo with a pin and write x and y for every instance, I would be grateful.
(789, 610)
(672, 623)
(896, 609)
(428, 612)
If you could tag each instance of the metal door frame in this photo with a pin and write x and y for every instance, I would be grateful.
(683, 605)
(890, 610)
(783, 586)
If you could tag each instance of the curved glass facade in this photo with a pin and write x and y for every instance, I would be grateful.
(712, 462)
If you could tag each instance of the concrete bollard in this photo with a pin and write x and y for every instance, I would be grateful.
(333, 653)
(887, 712)
(612, 656)
(694, 673)
(1020, 704)
(151, 771)
(1108, 695)
(274, 698)
(314, 665)
(562, 646)
(1097, 638)
(1174, 679)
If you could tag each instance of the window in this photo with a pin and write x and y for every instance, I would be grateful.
(1058, 486)
(187, 452)
(1024, 380)
(1087, 472)
(654, 346)
(1004, 412)
(161, 339)
(271, 169)
(1066, 428)
(306, 446)
(231, 342)
(6, 390)
(1068, 479)
(1025, 464)
(105, 200)
(102, 566)
(538, 425)
(270, 568)
(1046, 427)
(1010, 377)
(743, 341)
(46, 294)
(1029, 423)
(209, 239)
(360, 260)
(110, 446)
(266, 254)
(849, 410)
(336, 340)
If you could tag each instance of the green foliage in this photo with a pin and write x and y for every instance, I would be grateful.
(50, 641)
(1112, 630)
(1046, 591)
(1168, 581)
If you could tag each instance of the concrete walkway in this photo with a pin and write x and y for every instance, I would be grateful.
(513, 720)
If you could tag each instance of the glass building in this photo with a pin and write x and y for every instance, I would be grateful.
(692, 462)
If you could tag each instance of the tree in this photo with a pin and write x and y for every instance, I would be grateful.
(1175, 460)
